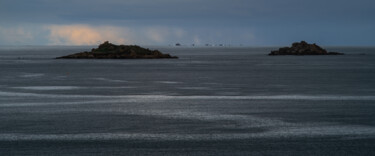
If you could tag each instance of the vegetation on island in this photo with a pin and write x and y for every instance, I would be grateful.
(303, 48)
(108, 50)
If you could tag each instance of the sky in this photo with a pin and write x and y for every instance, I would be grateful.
(166, 22)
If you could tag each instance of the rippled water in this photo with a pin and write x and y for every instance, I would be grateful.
(211, 101)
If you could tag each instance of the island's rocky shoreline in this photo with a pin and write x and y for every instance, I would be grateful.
(111, 51)
(303, 48)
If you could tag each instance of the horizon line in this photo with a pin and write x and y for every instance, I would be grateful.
(182, 46)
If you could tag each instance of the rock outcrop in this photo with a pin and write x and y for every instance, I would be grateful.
(111, 51)
(303, 48)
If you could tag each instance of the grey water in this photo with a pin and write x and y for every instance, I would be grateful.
(210, 101)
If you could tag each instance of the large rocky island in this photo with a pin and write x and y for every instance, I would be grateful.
(303, 48)
(111, 51)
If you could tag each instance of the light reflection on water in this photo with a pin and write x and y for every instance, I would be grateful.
(206, 95)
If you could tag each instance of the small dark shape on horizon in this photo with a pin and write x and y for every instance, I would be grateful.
(303, 48)
(111, 51)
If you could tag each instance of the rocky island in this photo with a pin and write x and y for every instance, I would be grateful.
(111, 51)
(303, 48)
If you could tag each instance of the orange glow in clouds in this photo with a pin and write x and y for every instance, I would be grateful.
(84, 35)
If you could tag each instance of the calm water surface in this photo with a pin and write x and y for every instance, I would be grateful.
(211, 101)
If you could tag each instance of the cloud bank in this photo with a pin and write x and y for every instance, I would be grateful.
(16, 35)
(80, 34)
(86, 35)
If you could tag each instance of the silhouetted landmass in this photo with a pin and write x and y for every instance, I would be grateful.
(303, 48)
(111, 51)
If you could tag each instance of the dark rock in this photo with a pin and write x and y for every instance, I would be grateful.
(303, 48)
(111, 51)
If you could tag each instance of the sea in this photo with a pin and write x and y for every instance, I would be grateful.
(210, 101)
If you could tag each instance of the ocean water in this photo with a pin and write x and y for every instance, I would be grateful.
(211, 101)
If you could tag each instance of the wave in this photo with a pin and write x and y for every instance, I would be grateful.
(168, 82)
(195, 88)
(48, 87)
(198, 97)
(345, 132)
(27, 104)
(31, 75)
(110, 80)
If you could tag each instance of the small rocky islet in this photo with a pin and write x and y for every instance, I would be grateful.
(303, 48)
(108, 50)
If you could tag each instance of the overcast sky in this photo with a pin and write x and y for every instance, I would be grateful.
(163, 22)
